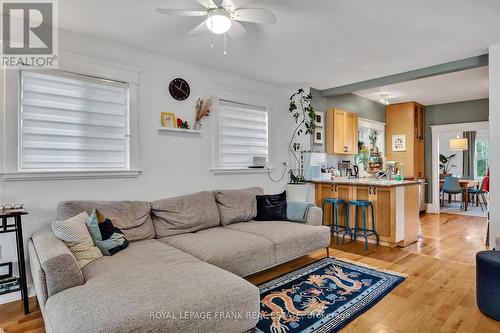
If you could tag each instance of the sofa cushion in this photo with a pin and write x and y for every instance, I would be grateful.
(187, 213)
(290, 239)
(75, 235)
(234, 251)
(146, 288)
(132, 217)
(237, 205)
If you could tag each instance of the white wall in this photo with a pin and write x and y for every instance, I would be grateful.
(444, 148)
(171, 164)
(494, 75)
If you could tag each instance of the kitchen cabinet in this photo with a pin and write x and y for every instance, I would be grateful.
(341, 132)
(407, 119)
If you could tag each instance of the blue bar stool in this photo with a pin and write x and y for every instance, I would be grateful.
(356, 231)
(335, 227)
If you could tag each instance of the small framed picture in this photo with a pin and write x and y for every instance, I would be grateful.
(319, 118)
(318, 135)
(399, 142)
(5, 270)
(168, 120)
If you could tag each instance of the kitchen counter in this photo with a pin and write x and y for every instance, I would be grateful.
(366, 182)
(396, 205)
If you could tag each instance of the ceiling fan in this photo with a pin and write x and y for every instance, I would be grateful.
(222, 17)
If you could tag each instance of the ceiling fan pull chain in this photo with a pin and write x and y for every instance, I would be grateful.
(211, 33)
(225, 43)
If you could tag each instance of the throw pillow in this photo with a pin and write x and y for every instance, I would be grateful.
(108, 238)
(74, 233)
(271, 207)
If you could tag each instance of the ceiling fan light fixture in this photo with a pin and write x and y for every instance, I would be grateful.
(218, 21)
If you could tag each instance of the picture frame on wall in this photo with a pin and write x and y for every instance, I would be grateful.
(5, 270)
(318, 135)
(168, 120)
(399, 142)
(320, 118)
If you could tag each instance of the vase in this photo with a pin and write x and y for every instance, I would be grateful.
(297, 192)
(197, 125)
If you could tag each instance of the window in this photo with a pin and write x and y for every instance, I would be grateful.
(482, 157)
(73, 122)
(243, 133)
(371, 143)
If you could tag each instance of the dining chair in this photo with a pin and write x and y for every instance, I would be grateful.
(479, 194)
(451, 186)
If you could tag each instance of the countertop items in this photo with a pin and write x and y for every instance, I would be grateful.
(367, 182)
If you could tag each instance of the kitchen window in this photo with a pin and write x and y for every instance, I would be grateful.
(481, 157)
(243, 134)
(72, 122)
(371, 143)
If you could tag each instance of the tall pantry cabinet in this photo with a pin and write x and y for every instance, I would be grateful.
(407, 119)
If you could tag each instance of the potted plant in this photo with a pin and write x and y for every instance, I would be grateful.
(375, 156)
(304, 117)
(445, 165)
(363, 156)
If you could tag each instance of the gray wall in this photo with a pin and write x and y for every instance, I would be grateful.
(364, 107)
(450, 113)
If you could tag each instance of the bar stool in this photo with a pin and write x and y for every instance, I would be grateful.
(335, 227)
(363, 204)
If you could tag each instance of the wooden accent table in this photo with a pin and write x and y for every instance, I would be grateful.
(465, 184)
(17, 228)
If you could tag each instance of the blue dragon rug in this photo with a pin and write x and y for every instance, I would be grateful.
(322, 297)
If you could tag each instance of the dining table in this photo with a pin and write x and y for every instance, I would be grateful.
(465, 184)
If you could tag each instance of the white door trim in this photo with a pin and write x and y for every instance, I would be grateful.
(436, 130)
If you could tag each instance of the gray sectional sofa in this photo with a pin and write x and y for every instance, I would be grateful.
(182, 271)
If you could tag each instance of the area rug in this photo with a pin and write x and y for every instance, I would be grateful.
(322, 297)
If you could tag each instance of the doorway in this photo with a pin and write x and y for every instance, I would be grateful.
(466, 166)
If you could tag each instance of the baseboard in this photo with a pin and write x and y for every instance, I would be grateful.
(432, 209)
(12, 297)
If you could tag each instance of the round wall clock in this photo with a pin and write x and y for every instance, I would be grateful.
(179, 89)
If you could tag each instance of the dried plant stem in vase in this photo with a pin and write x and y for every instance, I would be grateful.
(203, 107)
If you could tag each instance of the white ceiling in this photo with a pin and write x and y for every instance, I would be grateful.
(324, 43)
(454, 87)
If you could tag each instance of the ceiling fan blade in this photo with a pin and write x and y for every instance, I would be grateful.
(181, 12)
(255, 15)
(232, 5)
(200, 28)
(207, 3)
(237, 30)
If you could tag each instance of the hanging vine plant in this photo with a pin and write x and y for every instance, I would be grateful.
(305, 119)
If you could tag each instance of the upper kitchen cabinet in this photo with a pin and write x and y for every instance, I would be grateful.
(406, 120)
(341, 132)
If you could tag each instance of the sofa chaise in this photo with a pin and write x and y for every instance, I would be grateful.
(182, 271)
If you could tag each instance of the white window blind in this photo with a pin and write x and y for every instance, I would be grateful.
(243, 133)
(72, 122)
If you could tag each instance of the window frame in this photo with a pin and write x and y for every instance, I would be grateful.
(10, 152)
(481, 135)
(221, 93)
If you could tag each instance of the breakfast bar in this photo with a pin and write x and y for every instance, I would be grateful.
(396, 205)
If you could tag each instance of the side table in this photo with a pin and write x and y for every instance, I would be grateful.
(16, 227)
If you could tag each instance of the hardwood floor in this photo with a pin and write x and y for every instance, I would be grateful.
(438, 296)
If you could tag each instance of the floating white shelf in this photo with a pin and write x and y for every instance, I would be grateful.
(179, 130)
